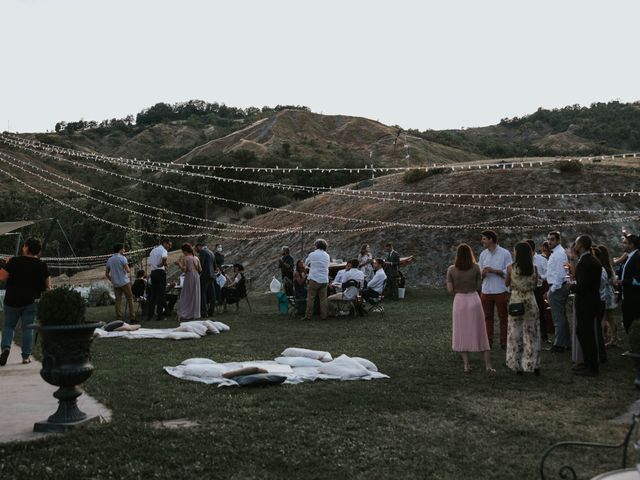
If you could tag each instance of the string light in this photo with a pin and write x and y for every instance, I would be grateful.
(126, 227)
(344, 193)
(3, 158)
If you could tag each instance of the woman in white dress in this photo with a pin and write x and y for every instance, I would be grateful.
(365, 262)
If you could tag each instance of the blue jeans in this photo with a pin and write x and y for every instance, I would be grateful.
(12, 315)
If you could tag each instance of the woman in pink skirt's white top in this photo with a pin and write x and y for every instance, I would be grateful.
(469, 331)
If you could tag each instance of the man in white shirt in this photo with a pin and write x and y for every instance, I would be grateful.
(541, 267)
(318, 279)
(158, 266)
(351, 281)
(376, 284)
(558, 292)
(493, 264)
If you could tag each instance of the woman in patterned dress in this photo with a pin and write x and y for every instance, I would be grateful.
(523, 332)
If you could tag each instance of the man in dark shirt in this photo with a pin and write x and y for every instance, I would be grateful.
(286, 264)
(27, 277)
(207, 277)
(629, 281)
(391, 266)
(587, 290)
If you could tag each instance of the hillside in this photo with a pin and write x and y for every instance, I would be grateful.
(573, 130)
(211, 134)
(311, 139)
(434, 248)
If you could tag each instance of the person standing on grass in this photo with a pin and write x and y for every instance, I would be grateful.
(558, 293)
(540, 263)
(469, 334)
(523, 335)
(26, 278)
(286, 265)
(495, 294)
(630, 281)
(391, 269)
(117, 272)
(207, 279)
(318, 279)
(189, 264)
(587, 289)
(158, 265)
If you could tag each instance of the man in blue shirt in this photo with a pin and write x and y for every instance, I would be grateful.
(117, 272)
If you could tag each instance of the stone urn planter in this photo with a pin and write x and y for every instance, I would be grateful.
(634, 350)
(66, 356)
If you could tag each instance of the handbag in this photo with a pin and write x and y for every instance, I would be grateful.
(516, 309)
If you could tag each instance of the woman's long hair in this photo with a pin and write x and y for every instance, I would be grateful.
(524, 259)
(464, 257)
(602, 254)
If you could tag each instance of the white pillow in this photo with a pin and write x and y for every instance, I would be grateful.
(211, 327)
(203, 371)
(299, 361)
(369, 365)
(304, 352)
(345, 368)
(192, 327)
(198, 361)
(223, 327)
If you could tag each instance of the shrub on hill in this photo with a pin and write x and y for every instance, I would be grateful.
(569, 166)
(415, 175)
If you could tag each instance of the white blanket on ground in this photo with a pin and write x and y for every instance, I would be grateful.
(343, 368)
(186, 331)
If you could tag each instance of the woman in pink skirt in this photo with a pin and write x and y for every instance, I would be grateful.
(469, 330)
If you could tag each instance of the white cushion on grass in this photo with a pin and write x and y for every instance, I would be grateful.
(200, 370)
(304, 352)
(211, 327)
(192, 327)
(223, 327)
(368, 364)
(198, 361)
(299, 361)
(345, 368)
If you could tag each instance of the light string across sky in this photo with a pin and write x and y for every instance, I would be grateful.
(369, 195)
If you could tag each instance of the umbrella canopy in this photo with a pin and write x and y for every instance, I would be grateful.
(6, 227)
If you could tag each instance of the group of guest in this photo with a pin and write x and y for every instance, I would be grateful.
(519, 287)
(204, 284)
(363, 279)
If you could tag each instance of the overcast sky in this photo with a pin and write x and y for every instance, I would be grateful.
(419, 64)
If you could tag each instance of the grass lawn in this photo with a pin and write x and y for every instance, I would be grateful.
(429, 420)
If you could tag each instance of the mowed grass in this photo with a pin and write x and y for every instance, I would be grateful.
(429, 420)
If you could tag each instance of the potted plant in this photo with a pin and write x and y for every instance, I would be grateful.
(634, 349)
(66, 358)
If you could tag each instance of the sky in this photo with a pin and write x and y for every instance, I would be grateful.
(418, 64)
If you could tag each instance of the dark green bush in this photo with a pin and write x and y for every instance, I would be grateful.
(61, 306)
(569, 166)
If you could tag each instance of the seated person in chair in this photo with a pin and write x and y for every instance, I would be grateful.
(235, 288)
(376, 284)
(351, 281)
(139, 286)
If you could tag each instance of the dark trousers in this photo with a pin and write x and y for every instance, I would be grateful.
(602, 350)
(369, 294)
(630, 312)
(586, 317)
(207, 297)
(287, 283)
(158, 292)
(539, 294)
(392, 283)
